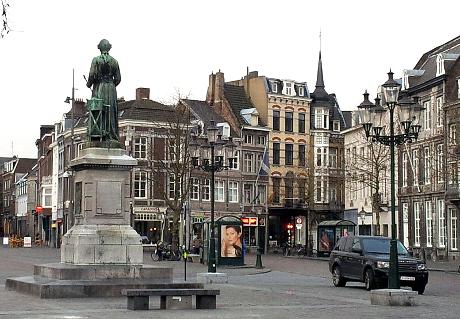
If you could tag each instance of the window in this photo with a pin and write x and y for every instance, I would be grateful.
(288, 88)
(247, 193)
(289, 191)
(274, 87)
(439, 115)
(276, 153)
(415, 166)
(195, 191)
(442, 223)
(321, 156)
(261, 195)
(205, 190)
(174, 187)
(61, 160)
(427, 115)
(333, 157)
(288, 122)
(336, 126)
(452, 134)
(140, 147)
(219, 191)
(233, 192)
(302, 155)
(233, 162)
(248, 139)
(426, 166)
(261, 140)
(276, 120)
(333, 194)
(453, 229)
(302, 186)
(322, 119)
(301, 91)
(140, 184)
(429, 224)
(248, 162)
(440, 163)
(318, 190)
(301, 122)
(276, 189)
(417, 224)
(404, 169)
(288, 154)
(458, 88)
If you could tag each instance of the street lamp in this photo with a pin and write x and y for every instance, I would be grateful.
(372, 118)
(211, 154)
(362, 215)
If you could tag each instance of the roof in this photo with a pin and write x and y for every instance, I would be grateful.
(238, 100)
(342, 222)
(428, 61)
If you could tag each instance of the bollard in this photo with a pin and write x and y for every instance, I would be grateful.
(259, 258)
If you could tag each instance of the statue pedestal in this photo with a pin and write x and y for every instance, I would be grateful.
(101, 254)
(102, 233)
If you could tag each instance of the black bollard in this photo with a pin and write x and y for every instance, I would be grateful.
(259, 258)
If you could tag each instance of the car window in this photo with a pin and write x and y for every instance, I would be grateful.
(340, 245)
(348, 243)
(356, 244)
(382, 246)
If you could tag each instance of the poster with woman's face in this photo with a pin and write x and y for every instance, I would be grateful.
(231, 241)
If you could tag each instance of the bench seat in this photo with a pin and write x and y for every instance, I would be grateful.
(138, 299)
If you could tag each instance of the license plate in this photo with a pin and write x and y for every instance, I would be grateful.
(407, 278)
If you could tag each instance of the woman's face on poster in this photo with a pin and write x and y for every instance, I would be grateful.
(232, 236)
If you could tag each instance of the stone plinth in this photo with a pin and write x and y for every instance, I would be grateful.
(393, 297)
(212, 278)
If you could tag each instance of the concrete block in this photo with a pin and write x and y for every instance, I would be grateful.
(393, 297)
(135, 254)
(176, 302)
(110, 254)
(212, 278)
(84, 254)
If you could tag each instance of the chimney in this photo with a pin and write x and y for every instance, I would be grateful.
(219, 91)
(79, 108)
(210, 95)
(142, 93)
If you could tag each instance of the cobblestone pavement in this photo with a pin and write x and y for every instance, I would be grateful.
(294, 288)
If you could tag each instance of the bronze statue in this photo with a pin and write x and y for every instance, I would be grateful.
(104, 76)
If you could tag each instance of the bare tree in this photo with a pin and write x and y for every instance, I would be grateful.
(366, 166)
(175, 166)
(5, 27)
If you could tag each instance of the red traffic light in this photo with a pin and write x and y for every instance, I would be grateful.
(290, 226)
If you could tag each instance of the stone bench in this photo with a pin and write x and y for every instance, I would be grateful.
(194, 258)
(138, 299)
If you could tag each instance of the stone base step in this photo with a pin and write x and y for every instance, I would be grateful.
(49, 288)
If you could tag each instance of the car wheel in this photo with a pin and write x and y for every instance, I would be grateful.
(420, 288)
(369, 279)
(337, 278)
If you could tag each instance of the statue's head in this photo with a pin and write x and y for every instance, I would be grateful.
(104, 46)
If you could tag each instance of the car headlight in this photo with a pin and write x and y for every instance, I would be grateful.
(421, 266)
(383, 264)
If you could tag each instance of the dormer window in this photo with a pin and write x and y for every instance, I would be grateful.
(287, 88)
(301, 91)
(224, 128)
(336, 126)
(439, 65)
(274, 87)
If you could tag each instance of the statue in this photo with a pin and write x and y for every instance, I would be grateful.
(104, 76)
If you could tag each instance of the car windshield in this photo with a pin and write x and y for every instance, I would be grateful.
(382, 246)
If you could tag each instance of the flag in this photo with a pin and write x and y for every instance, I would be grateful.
(264, 164)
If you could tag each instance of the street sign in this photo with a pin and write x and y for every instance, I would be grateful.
(27, 242)
(298, 220)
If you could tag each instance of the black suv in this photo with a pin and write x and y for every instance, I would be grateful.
(367, 259)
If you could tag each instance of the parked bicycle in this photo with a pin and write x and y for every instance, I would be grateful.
(165, 252)
(303, 251)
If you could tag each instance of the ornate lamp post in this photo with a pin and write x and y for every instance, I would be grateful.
(209, 157)
(372, 118)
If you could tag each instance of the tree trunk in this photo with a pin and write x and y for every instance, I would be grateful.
(175, 230)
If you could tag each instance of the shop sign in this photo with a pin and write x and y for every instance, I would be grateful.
(149, 209)
(250, 221)
(27, 242)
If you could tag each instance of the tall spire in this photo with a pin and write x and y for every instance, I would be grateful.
(320, 92)
(319, 75)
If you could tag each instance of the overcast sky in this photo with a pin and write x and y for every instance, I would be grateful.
(172, 46)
